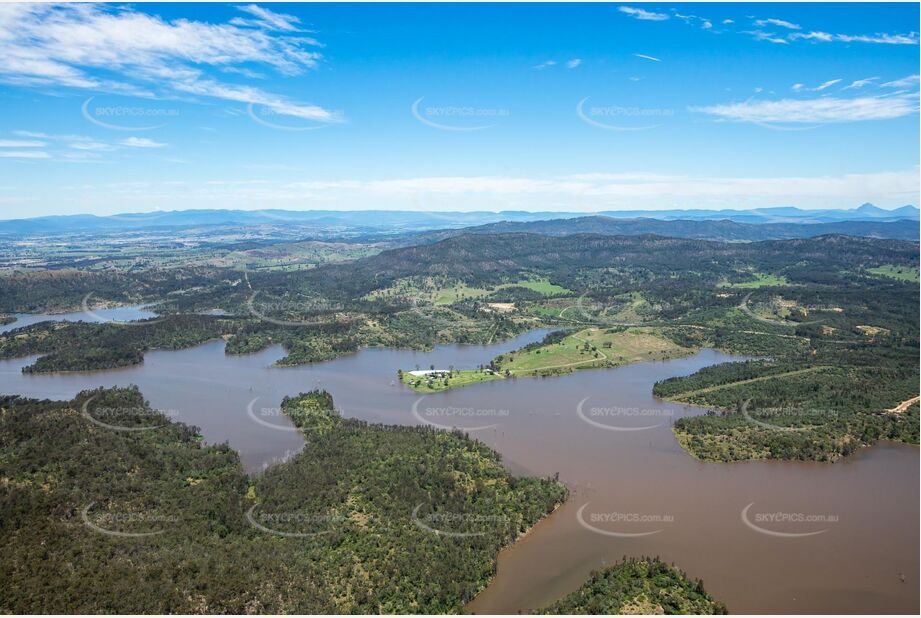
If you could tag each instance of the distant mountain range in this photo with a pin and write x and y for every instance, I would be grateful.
(332, 223)
(782, 214)
(724, 230)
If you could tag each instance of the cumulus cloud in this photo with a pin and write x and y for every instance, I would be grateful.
(571, 64)
(120, 50)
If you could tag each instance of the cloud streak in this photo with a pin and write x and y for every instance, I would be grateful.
(642, 14)
(821, 110)
(779, 23)
(880, 38)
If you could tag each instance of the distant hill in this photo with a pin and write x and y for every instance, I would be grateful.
(354, 222)
(782, 214)
(724, 230)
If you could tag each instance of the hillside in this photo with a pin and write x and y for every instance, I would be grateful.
(702, 229)
(638, 586)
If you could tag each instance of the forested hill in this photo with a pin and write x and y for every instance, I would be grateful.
(723, 229)
(488, 258)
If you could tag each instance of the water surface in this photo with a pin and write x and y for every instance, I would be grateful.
(634, 490)
(113, 314)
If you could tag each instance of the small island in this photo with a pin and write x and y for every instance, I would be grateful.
(559, 353)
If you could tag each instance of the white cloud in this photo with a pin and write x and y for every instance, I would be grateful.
(883, 38)
(822, 110)
(825, 85)
(889, 39)
(905, 82)
(780, 23)
(817, 36)
(571, 64)
(703, 22)
(268, 19)
(118, 49)
(860, 83)
(88, 145)
(544, 65)
(23, 154)
(770, 37)
(797, 87)
(579, 192)
(642, 14)
(727, 22)
(20, 143)
(47, 136)
(141, 142)
(645, 57)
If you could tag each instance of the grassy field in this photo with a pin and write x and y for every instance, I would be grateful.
(463, 377)
(444, 293)
(762, 280)
(902, 273)
(585, 349)
(590, 347)
(450, 295)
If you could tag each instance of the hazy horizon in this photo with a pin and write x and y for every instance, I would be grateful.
(468, 211)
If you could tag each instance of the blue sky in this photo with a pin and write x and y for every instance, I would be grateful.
(125, 108)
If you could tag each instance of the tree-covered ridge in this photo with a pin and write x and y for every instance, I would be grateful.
(778, 410)
(81, 346)
(361, 521)
(638, 586)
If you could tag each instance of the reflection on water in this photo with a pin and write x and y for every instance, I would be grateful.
(634, 490)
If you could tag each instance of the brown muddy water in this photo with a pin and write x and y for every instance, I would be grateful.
(766, 537)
